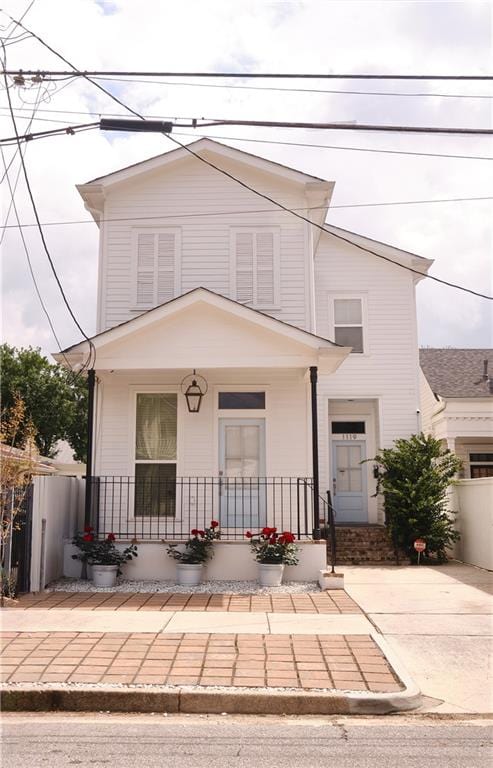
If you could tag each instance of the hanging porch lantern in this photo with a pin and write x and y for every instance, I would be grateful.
(194, 387)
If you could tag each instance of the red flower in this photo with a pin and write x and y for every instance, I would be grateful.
(268, 531)
(88, 537)
(88, 529)
(288, 537)
(194, 532)
(249, 535)
(273, 539)
(214, 524)
(111, 537)
(201, 533)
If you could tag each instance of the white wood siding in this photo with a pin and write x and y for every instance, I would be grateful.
(287, 439)
(188, 189)
(388, 372)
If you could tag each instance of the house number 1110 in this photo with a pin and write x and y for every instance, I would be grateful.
(349, 437)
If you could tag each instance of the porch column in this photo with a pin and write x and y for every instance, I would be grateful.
(316, 489)
(91, 380)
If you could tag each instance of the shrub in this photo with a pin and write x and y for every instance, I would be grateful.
(101, 551)
(413, 477)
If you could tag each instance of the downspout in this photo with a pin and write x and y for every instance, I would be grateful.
(317, 534)
(91, 381)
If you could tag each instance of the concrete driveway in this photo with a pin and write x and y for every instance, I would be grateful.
(439, 621)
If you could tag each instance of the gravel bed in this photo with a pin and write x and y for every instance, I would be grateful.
(207, 587)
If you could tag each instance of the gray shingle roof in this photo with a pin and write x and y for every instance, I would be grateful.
(452, 372)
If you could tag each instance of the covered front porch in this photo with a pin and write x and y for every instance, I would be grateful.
(245, 455)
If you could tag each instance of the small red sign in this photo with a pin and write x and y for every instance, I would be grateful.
(420, 545)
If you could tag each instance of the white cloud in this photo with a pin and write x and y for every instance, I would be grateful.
(412, 37)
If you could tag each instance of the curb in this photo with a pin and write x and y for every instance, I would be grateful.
(271, 701)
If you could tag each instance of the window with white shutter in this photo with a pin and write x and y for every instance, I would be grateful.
(255, 273)
(156, 266)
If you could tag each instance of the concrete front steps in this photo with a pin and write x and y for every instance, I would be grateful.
(364, 545)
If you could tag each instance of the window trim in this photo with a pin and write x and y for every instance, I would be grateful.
(362, 297)
(276, 233)
(136, 231)
(151, 389)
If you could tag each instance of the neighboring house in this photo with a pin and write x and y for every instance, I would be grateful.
(307, 344)
(457, 404)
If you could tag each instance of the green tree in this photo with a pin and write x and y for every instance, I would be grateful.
(413, 477)
(55, 400)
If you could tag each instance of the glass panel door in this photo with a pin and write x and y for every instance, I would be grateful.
(242, 473)
(349, 481)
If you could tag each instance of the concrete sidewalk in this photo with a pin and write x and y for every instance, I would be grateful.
(438, 620)
(238, 660)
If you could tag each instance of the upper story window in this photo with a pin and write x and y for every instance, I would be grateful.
(348, 321)
(255, 268)
(156, 262)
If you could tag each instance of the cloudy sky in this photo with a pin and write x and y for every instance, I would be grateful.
(415, 37)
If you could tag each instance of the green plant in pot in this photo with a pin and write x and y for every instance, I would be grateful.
(103, 555)
(191, 558)
(272, 551)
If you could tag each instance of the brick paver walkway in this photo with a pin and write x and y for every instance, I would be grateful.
(335, 602)
(346, 662)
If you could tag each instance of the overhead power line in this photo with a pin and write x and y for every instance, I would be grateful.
(264, 196)
(208, 214)
(260, 141)
(238, 75)
(269, 89)
(38, 222)
(69, 130)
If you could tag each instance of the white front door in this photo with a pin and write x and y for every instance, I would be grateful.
(242, 473)
(350, 496)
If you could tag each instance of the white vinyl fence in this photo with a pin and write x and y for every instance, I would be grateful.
(473, 499)
(58, 511)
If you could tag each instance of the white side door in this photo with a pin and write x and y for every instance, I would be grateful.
(350, 497)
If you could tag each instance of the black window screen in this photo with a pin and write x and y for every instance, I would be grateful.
(346, 427)
(481, 457)
(241, 400)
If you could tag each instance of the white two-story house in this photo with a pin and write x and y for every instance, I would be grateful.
(246, 362)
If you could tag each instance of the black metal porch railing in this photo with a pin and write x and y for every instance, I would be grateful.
(168, 508)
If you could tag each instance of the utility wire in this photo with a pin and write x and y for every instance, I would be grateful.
(234, 75)
(295, 90)
(266, 197)
(178, 216)
(263, 141)
(28, 257)
(319, 226)
(26, 137)
(38, 222)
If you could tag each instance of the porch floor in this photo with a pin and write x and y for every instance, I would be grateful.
(333, 602)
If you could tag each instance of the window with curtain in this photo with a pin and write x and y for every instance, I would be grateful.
(155, 454)
(348, 323)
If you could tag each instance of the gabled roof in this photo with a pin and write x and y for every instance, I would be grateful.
(205, 145)
(281, 333)
(453, 372)
(406, 258)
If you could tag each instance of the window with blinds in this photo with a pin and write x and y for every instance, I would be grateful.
(155, 454)
(255, 273)
(156, 266)
(348, 323)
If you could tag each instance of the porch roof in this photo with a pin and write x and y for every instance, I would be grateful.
(202, 329)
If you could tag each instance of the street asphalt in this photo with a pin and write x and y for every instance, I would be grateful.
(181, 741)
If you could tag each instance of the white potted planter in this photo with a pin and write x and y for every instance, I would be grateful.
(189, 574)
(104, 575)
(270, 574)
